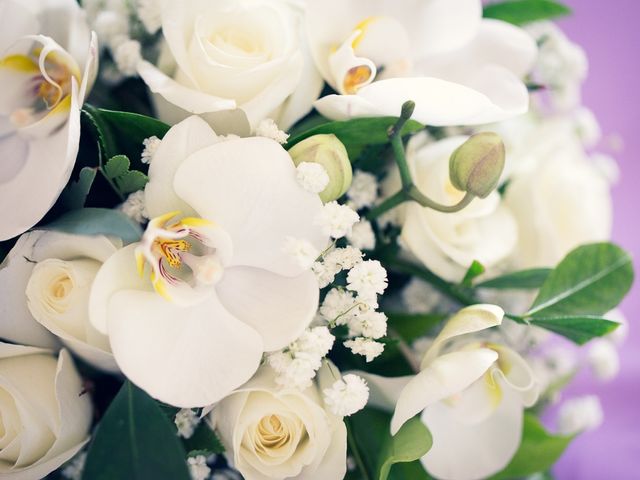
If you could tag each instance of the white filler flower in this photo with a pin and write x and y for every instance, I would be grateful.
(190, 309)
(347, 396)
(48, 62)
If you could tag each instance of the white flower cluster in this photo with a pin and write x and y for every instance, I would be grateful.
(134, 207)
(198, 468)
(347, 395)
(269, 129)
(335, 261)
(151, 145)
(580, 414)
(312, 177)
(336, 220)
(186, 421)
(74, 468)
(363, 191)
(298, 364)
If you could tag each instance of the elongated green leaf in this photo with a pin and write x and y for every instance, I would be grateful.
(538, 451)
(98, 221)
(520, 12)
(590, 280)
(579, 329)
(524, 279)
(411, 326)
(475, 269)
(358, 132)
(136, 441)
(411, 442)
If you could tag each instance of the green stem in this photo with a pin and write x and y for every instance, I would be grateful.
(355, 451)
(405, 351)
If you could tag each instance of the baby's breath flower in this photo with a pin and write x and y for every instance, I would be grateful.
(268, 128)
(580, 414)
(347, 396)
(603, 359)
(366, 347)
(150, 14)
(134, 207)
(198, 467)
(186, 420)
(127, 56)
(151, 145)
(312, 177)
(362, 236)
(370, 324)
(363, 191)
(336, 220)
(367, 279)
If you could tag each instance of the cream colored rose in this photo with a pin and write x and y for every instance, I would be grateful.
(447, 243)
(271, 433)
(559, 198)
(44, 293)
(225, 59)
(44, 418)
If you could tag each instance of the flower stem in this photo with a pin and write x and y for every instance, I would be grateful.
(355, 450)
(409, 190)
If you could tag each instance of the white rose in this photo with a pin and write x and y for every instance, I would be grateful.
(228, 54)
(45, 284)
(447, 243)
(192, 307)
(44, 417)
(559, 198)
(48, 61)
(271, 433)
(459, 68)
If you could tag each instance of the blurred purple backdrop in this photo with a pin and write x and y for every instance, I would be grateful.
(608, 31)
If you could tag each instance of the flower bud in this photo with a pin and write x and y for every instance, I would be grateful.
(328, 151)
(476, 165)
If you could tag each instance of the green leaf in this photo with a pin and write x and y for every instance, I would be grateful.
(98, 221)
(375, 451)
(204, 441)
(579, 329)
(75, 194)
(358, 132)
(590, 280)
(132, 181)
(104, 135)
(116, 166)
(538, 451)
(519, 12)
(135, 440)
(475, 269)
(411, 326)
(411, 442)
(524, 279)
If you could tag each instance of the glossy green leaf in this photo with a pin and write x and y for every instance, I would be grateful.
(475, 269)
(413, 325)
(579, 329)
(204, 441)
(538, 451)
(135, 440)
(132, 181)
(519, 12)
(126, 181)
(116, 166)
(524, 279)
(411, 442)
(590, 280)
(98, 221)
(358, 132)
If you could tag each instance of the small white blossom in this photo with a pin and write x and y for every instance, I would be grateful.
(186, 420)
(268, 128)
(301, 250)
(603, 359)
(336, 220)
(580, 414)
(367, 279)
(363, 190)
(370, 324)
(366, 347)
(336, 304)
(619, 335)
(299, 373)
(587, 126)
(312, 177)
(316, 340)
(362, 236)
(111, 27)
(74, 468)
(151, 145)
(134, 207)
(150, 14)
(127, 56)
(343, 258)
(198, 467)
(324, 274)
(347, 396)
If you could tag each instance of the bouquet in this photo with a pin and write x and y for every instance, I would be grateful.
(298, 239)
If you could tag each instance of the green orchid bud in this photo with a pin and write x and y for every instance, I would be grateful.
(476, 165)
(328, 151)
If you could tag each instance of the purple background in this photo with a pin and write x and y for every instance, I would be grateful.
(608, 30)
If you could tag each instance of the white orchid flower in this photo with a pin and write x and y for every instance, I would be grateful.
(48, 62)
(471, 395)
(45, 283)
(190, 309)
(458, 68)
